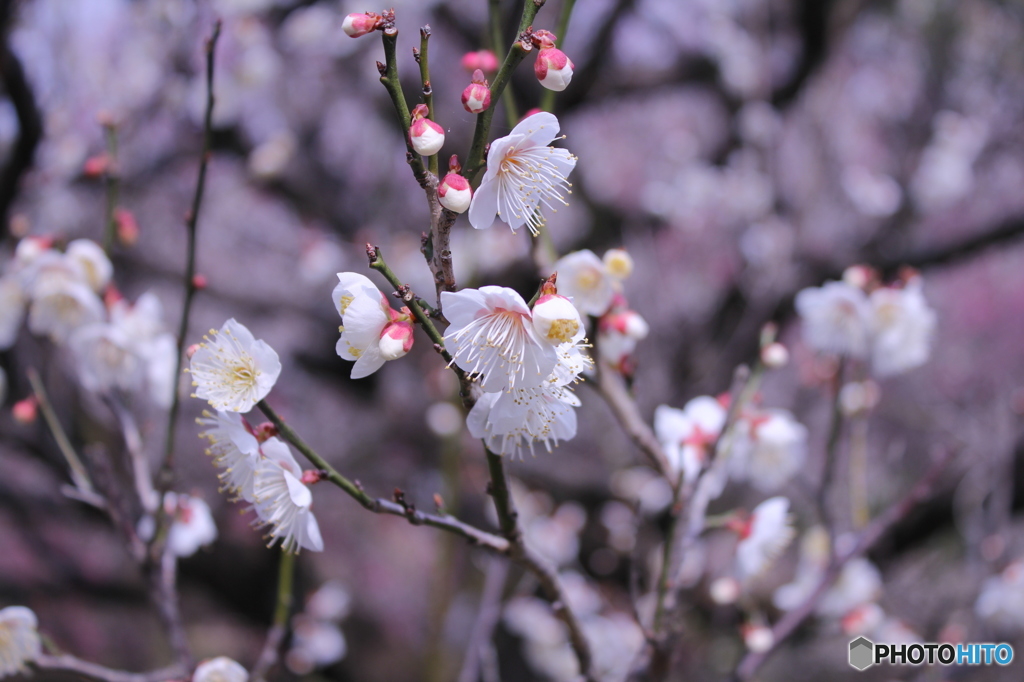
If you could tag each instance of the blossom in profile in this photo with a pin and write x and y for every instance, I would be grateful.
(476, 98)
(19, 639)
(283, 502)
(220, 669)
(769, 449)
(555, 319)
(687, 435)
(512, 422)
(358, 25)
(523, 175)
(492, 335)
(836, 319)
(763, 535)
(372, 332)
(232, 369)
(902, 324)
(234, 449)
(192, 524)
(96, 267)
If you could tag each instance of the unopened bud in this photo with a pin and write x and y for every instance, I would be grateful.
(553, 68)
(96, 166)
(618, 263)
(199, 281)
(426, 137)
(477, 96)
(356, 25)
(859, 397)
(454, 193)
(484, 60)
(555, 319)
(758, 638)
(629, 323)
(265, 431)
(25, 411)
(396, 340)
(191, 350)
(127, 227)
(774, 355)
(311, 476)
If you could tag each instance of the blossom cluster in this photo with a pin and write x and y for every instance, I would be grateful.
(67, 295)
(233, 371)
(891, 327)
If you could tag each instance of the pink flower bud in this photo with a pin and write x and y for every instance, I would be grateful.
(396, 340)
(25, 411)
(311, 476)
(199, 281)
(774, 355)
(483, 60)
(356, 25)
(95, 166)
(555, 319)
(426, 137)
(191, 350)
(477, 96)
(553, 69)
(629, 323)
(454, 193)
(127, 227)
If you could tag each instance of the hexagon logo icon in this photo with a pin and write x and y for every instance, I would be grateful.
(862, 652)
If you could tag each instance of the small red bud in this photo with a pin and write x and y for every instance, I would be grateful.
(477, 96)
(25, 411)
(127, 227)
(96, 166)
(191, 350)
(199, 281)
(356, 25)
(484, 60)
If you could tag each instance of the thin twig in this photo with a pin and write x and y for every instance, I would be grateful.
(831, 453)
(381, 506)
(279, 627)
(112, 180)
(547, 576)
(516, 54)
(163, 577)
(486, 619)
(191, 221)
(389, 77)
(547, 100)
(612, 387)
(79, 475)
(65, 663)
(793, 618)
(498, 46)
(148, 496)
(428, 90)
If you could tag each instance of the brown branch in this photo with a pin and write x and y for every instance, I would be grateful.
(612, 387)
(486, 619)
(163, 579)
(65, 663)
(788, 624)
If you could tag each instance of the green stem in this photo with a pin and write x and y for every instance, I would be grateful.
(831, 451)
(498, 46)
(113, 182)
(285, 585)
(499, 490)
(409, 298)
(547, 100)
(516, 54)
(428, 91)
(394, 88)
(166, 476)
(666, 565)
(380, 506)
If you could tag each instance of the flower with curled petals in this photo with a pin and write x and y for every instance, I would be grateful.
(233, 370)
(523, 174)
(234, 449)
(492, 335)
(283, 502)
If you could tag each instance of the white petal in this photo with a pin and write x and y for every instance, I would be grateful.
(300, 493)
(484, 206)
(537, 130)
(368, 363)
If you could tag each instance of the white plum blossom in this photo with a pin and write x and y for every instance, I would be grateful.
(770, 448)
(192, 525)
(1001, 600)
(220, 669)
(96, 267)
(19, 639)
(687, 435)
(492, 334)
(105, 358)
(234, 449)
(555, 319)
(372, 332)
(814, 557)
(583, 277)
(283, 502)
(512, 421)
(763, 536)
(523, 174)
(315, 644)
(233, 370)
(836, 319)
(60, 305)
(903, 325)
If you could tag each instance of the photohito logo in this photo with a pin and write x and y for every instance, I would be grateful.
(864, 653)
